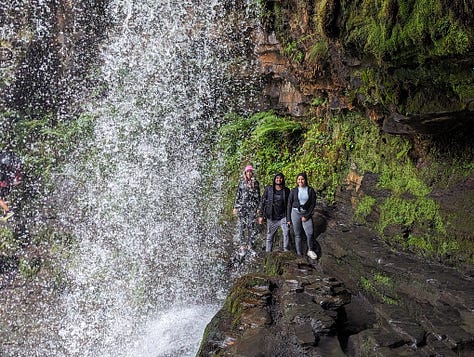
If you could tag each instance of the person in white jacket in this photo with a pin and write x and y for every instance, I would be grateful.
(301, 204)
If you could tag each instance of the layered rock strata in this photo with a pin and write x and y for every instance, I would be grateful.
(291, 310)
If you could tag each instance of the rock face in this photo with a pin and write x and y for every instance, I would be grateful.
(402, 305)
(320, 49)
(46, 51)
(291, 310)
(361, 299)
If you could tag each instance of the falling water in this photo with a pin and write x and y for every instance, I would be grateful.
(148, 273)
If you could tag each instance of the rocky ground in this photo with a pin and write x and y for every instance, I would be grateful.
(401, 304)
(360, 299)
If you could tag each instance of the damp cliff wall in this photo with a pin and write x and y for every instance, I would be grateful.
(396, 249)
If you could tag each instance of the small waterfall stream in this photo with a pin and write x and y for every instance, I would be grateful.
(149, 272)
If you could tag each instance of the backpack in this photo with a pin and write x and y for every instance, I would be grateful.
(11, 169)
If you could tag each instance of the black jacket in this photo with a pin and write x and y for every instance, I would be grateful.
(266, 203)
(308, 207)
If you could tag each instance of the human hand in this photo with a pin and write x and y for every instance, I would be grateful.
(303, 219)
(234, 211)
(260, 220)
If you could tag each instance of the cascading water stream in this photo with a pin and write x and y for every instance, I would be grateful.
(148, 273)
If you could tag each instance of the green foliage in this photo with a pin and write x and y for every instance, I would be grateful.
(293, 52)
(281, 144)
(407, 38)
(29, 268)
(380, 287)
(448, 169)
(319, 102)
(364, 208)
(8, 243)
(318, 52)
(399, 211)
(324, 148)
(391, 28)
(264, 139)
(263, 13)
(366, 146)
(43, 141)
(424, 243)
(233, 141)
(423, 213)
(402, 178)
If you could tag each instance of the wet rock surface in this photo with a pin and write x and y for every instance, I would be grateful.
(362, 298)
(291, 310)
(402, 304)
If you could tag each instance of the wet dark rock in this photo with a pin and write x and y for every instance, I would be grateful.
(429, 123)
(402, 304)
(362, 299)
(297, 314)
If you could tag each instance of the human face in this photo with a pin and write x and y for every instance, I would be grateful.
(248, 174)
(278, 180)
(301, 181)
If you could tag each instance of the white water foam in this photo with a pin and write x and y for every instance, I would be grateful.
(160, 337)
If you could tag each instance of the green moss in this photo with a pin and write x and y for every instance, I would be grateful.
(380, 287)
(383, 280)
(402, 178)
(240, 292)
(272, 267)
(29, 268)
(319, 102)
(318, 51)
(420, 215)
(8, 243)
(406, 212)
(428, 243)
(292, 51)
(407, 39)
(405, 28)
(364, 208)
(325, 15)
(276, 263)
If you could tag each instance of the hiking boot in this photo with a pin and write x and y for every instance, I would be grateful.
(312, 255)
(7, 215)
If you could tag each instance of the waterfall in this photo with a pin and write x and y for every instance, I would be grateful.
(149, 271)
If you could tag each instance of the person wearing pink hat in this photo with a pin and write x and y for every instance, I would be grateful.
(246, 203)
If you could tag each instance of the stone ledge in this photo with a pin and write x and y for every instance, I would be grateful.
(296, 312)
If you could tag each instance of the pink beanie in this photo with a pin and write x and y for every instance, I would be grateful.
(248, 168)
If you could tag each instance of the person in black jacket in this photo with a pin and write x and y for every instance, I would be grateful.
(273, 207)
(301, 203)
